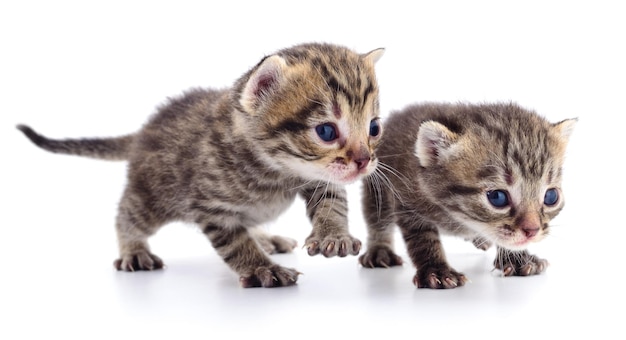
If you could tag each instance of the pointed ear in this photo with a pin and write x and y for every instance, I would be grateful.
(263, 82)
(564, 128)
(434, 142)
(374, 55)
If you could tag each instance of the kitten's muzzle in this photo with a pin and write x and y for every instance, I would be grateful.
(529, 224)
(361, 157)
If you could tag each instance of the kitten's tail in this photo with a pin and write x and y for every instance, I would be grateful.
(114, 149)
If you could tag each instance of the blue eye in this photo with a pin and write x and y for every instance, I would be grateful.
(498, 198)
(551, 197)
(327, 132)
(374, 128)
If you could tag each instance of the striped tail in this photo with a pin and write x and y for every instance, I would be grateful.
(114, 149)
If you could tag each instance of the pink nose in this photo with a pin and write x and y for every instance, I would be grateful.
(362, 163)
(530, 232)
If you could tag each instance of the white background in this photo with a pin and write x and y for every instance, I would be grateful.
(74, 69)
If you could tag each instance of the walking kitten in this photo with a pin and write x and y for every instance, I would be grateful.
(303, 121)
(490, 173)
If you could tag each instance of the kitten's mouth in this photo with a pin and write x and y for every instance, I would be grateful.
(523, 243)
(517, 242)
(355, 175)
(350, 178)
(512, 244)
(343, 174)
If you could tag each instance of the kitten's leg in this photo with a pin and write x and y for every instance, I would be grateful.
(327, 208)
(378, 212)
(518, 263)
(241, 252)
(133, 231)
(273, 243)
(427, 253)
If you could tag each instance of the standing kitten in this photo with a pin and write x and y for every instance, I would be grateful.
(487, 173)
(303, 121)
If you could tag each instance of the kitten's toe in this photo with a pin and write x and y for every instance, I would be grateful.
(139, 261)
(379, 257)
(441, 277)
(269, 277)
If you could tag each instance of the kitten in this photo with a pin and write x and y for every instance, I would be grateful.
(303, 121)
(490, 173)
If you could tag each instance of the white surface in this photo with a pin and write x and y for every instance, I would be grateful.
(79, 69)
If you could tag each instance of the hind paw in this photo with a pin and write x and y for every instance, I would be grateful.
(138, 261)
(277, 244)
(272, 244)
(379, 256)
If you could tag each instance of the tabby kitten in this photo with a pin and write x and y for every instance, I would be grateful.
(490, 173)
(303, 121)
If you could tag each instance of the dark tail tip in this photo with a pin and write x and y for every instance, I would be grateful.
(31, 134)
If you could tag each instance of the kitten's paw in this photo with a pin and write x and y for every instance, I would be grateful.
(272, 244)
(277, 244)
(139, 261)
(283, 244)
(379, 256)
(525, 265)
(269, 277)
(333, 245)
(440, 277)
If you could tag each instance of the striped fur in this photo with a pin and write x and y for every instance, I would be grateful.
(230, 160)
(439, 162)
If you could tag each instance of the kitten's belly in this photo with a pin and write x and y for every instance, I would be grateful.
(249, 213)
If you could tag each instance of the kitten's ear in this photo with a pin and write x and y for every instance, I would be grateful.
(434, 142)
(564, 128)
(263, 82)
(374, 55)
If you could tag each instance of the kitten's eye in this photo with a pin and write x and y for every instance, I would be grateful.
(551, 197)
(498, 198)
(327, 132)
(374, 127)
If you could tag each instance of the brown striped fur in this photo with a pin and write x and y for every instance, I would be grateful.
(438, 164)
(233, 159)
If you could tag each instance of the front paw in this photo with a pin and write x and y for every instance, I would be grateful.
(332, 245)
(438, 277)
(379, 256)
(269, 277)
(514, 263)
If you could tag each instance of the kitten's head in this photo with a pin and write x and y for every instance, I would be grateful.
(312, 110)
(498, 172)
